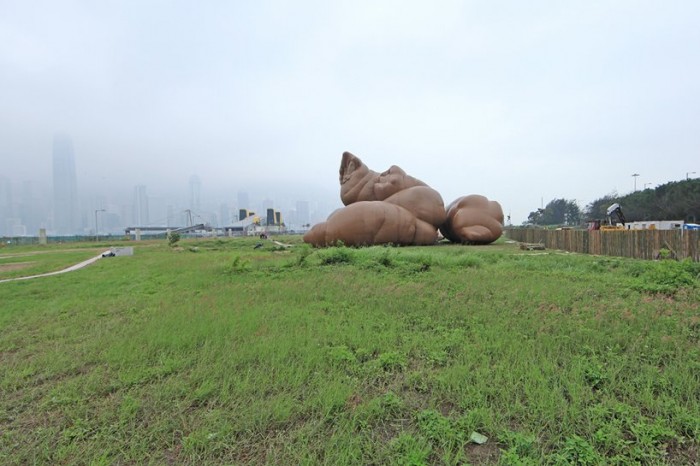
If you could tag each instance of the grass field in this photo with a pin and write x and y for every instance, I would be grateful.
(214, 352)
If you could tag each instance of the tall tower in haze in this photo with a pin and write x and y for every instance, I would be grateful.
(243, 200)
(65, 187)
(5, 206)
(195, 191)
(303, 212)
(140, 206)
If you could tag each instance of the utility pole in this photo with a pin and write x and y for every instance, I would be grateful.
(635, 175)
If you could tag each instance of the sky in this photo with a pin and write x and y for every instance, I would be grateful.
(522, 102)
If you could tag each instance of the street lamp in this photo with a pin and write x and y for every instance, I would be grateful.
(646, 184)
(635, 175)
(687, 177)
(97, 231)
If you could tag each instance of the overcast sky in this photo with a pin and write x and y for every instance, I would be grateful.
(518, 101)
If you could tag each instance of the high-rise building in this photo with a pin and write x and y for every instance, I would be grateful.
(243, 200)
(140, 206)
(267, 204)
(224, 215)
(5, 206)
(195, 193)
(65, 187)
(31, 207)
(302, 212)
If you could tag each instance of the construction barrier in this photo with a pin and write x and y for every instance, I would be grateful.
(638, 244)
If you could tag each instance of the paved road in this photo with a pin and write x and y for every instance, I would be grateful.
(69, 269)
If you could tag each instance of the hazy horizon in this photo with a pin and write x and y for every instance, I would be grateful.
(523, 103)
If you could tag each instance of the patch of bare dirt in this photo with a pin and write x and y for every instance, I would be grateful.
(488, 453)
(14, 266)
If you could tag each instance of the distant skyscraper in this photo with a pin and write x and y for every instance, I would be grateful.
(31, 208)
(65, 187)
(303, 212)
(5, 206)
(140, 206)
(195, 190)
(268, 203)
(224, 215)
(243, 200)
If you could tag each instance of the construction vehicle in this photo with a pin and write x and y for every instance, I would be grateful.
(614, 211)
(614, 220)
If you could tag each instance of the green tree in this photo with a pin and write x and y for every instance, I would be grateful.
(557, 212)
(677, 200)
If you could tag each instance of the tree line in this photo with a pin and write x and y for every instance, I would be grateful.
(676, 200)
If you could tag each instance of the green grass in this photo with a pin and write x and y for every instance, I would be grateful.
(214, 352)
(23, 262)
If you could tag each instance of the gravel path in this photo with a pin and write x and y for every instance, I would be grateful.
(69, 269)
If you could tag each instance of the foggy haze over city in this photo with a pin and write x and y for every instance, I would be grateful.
(165, 107)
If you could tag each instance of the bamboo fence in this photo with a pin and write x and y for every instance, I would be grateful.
(638, 244)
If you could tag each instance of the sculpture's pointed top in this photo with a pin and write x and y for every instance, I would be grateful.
(348, 164)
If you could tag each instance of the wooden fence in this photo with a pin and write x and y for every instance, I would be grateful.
(639, 244)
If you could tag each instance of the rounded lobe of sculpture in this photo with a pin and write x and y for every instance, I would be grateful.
(393, 181)
(473, 219)
(366, 223)
(423, 202)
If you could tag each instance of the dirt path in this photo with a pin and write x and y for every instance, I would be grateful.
(69, 269)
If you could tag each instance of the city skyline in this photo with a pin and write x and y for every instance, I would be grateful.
(514, 101)
(64, 209)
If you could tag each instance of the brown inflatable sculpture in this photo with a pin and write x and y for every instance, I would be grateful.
(381, 208)
(393, 207)
(473, 220)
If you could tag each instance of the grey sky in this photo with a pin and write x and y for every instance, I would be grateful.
(518, 101)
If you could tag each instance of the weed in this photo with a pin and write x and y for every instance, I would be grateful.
(386, 259)
(303, 253)
(468, 261)
(435, 427)
(521, 449)
(577, 450)
(392, 361)
(336, 255)
(410, 451)
(667, 277)
(341, 355)
(383, 408)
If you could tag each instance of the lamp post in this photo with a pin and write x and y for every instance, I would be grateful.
(687, 175)
(635, 175)
(646, 184)
(97, 231)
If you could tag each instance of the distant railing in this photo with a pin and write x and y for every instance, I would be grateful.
(638, 244)
(28, 240)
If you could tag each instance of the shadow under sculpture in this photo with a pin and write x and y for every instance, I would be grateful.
(381, 208)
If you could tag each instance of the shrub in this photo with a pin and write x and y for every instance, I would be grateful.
(666, 277)
(173, 238)
(337, 255)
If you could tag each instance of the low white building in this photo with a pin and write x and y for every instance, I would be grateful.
(655, 225)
